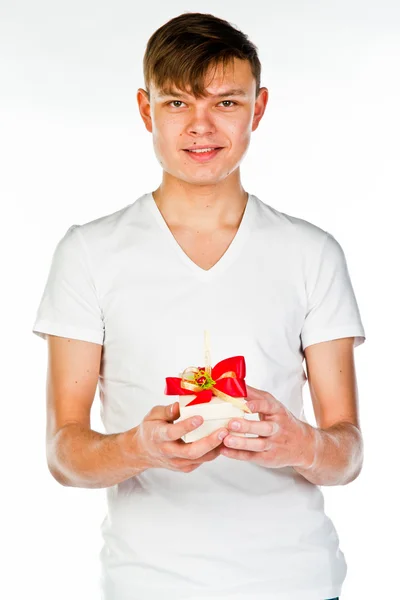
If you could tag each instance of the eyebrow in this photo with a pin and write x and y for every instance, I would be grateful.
(232, 92)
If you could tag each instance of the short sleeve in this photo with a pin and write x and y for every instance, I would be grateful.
(69, 306)
(332, 310)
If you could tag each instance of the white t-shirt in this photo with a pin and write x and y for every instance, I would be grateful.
(231, 529)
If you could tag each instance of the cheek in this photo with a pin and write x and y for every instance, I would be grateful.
(167, 135)
(240, 132)
(240, 137)
(244, 131)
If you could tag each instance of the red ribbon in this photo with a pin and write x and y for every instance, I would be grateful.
(231, 385)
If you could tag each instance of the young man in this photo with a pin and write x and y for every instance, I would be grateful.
(126, 303)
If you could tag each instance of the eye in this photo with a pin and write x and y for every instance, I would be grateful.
(180, 102)
(231, 101)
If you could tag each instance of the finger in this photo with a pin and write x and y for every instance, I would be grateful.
(198, 449)
(173, 411)
(263, 401)
(238, 454)
(258, 444)
(262, 428)
(209, 455)
(163, 413)
(171, 432)
(184, 462)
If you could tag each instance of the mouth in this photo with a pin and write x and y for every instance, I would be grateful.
(203, 155)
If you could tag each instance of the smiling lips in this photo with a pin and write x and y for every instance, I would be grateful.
(202, 153)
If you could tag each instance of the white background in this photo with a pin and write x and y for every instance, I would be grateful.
(73, 148)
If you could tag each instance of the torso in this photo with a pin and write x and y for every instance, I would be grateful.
(150, 312)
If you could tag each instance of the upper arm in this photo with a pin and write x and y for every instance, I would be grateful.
(332, 381)
(72, 375)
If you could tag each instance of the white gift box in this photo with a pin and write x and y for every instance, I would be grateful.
(216, 414)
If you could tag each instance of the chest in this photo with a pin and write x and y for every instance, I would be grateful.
(155, 317)
(204, 250)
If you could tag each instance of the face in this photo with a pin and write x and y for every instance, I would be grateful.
(224, 120)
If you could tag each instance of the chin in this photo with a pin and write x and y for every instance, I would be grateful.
(201, 180)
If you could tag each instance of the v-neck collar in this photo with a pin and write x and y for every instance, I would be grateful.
(230, 254)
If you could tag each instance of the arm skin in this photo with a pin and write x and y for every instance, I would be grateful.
(336, 446)
(78, 456)
(84, 458)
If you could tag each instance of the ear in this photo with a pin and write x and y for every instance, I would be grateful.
(260, 106)
(143, 101)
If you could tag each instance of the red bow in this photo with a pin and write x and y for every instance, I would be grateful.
(226, 381)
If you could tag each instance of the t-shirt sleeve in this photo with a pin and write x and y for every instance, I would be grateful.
(332, 310)
(69, 306)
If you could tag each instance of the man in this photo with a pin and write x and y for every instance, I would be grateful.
(126, 303)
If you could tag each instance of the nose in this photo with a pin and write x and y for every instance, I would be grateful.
(201, 123)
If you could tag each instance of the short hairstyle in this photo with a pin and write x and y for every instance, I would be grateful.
(180, 52)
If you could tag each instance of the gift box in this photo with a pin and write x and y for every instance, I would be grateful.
(218, 394)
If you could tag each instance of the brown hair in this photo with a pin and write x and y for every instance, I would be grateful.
(182, 50)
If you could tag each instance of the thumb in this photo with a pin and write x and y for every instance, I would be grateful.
(171, 411)
(162, 412)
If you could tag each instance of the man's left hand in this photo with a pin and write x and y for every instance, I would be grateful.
(283, 439)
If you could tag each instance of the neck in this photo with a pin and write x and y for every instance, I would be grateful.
(201, 208)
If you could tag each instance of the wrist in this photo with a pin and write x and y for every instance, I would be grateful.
(313, 446)
(132, 450)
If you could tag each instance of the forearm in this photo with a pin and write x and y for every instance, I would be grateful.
(81, 457)
(337, 453)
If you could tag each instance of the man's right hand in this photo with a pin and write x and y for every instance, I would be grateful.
(157, 440)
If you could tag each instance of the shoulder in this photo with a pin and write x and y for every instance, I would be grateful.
(113, 224)
(305, 236)
(96, 242)
(104, 235)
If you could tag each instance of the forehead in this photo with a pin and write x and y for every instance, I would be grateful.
(235, 79)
